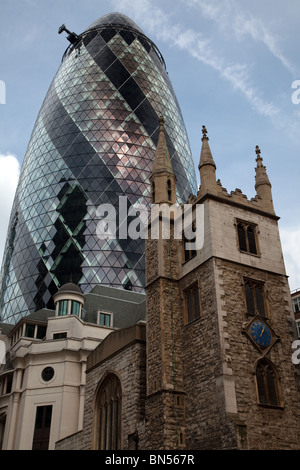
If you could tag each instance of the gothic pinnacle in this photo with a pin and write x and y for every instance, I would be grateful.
(206, 157)
(261, 174)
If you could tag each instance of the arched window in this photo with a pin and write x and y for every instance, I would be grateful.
(255, 297)
(108, 414)
(247, 237)
(153, 192)
(169, 189)
(267, 384)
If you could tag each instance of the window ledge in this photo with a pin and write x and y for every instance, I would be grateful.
(192, 322)
(274, 407)
(250, 254)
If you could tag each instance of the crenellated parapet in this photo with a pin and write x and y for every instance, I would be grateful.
(211, 187)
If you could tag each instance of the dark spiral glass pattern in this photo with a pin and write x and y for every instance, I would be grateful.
(93, 141)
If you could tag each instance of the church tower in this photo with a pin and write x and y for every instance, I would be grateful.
(220, 324)
(165, 396)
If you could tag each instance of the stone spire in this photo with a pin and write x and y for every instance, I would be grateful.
(162, 160)
(162, 179)
(207, 166)
(262, 182)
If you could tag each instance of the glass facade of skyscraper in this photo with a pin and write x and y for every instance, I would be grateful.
(93, 141)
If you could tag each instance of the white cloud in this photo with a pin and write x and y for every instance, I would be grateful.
(291, 251)
(9, 176)
(229, 16)
(199, 47)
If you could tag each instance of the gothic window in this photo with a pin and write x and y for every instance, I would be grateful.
(255, 297)
(189, 242)
(192, 303)
(153, 192)
(169, 189)
(108, 414)
(247, 237)
(267, 384)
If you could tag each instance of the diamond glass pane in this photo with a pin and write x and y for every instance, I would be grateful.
(93, 141)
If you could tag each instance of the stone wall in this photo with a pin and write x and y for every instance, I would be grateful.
(73, 442)
(222, 412)
(128, 363)
(165, 420)
(267, 428)
(207, 424)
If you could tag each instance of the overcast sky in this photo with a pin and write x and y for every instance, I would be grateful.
(232, 63)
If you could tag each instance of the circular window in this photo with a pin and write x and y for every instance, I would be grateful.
(47, 374)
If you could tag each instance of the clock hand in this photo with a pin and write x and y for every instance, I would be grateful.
(262, 330)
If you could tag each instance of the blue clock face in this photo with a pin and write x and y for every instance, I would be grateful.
(261, 333)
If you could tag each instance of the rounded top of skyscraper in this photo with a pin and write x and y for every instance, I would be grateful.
(115, 20)
(108, 26)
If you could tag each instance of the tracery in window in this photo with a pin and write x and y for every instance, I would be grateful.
(108, 414)
(247, 237)
(267, 384)
(192, 303)
(255, 297)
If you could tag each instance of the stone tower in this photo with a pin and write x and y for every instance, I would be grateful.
(220, 324)
(165, 394)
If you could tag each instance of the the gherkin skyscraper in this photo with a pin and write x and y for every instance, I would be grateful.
(93, 141)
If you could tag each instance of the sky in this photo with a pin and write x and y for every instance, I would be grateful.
(234, 65)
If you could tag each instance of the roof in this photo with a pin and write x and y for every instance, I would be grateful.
(115, 19)
(5, 328)
(127, 307)
(40, 316)
(115, 342)
(70, 287)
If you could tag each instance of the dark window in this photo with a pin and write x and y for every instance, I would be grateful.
(59, 335)
(255, 297)
(247, 237)
(242, 237)
(9, 380)
(267, 384)
(169, 190)
(153, 192)
(42, 428)
(29, 330)
(108, 414)
(251, 240)
(188, 252)
(192, 303)
(47, 374)
(41, 332)
(2, 430)
(189, 241)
